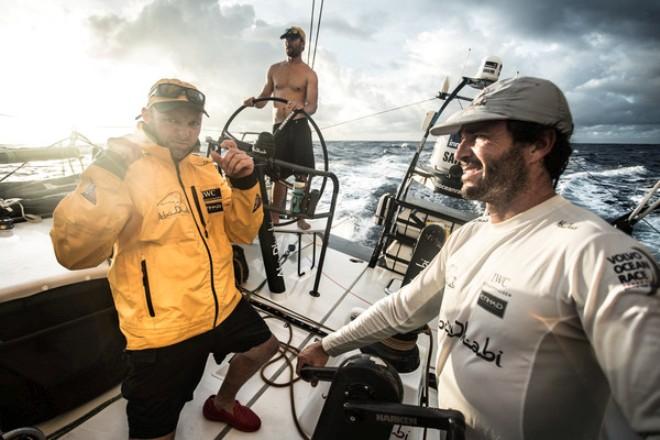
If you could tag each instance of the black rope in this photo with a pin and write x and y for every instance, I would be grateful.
(379, 113)
(650, 225)
(13, 171)
(285, 348)
(256, 289)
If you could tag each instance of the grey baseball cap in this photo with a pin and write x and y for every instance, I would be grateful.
(522, 99)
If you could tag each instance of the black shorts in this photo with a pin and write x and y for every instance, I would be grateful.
(161, 380)
(293, 144)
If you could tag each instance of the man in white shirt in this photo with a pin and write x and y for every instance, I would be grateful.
(547, 311)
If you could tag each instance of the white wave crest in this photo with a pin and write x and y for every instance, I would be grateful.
(625, 171)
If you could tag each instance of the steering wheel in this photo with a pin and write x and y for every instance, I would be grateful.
(227, 134)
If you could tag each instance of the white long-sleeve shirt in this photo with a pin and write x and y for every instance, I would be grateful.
(542, 318)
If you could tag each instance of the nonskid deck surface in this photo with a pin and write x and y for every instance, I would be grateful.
(346, 284)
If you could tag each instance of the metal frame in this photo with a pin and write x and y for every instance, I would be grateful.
(261, 163)
(399, 199)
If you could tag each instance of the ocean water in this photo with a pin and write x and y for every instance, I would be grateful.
(607, 179)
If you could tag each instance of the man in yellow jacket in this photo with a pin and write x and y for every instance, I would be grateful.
(168, 218)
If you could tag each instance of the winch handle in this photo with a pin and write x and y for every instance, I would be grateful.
(314, 374)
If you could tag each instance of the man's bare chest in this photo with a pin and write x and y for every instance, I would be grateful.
(290, 78)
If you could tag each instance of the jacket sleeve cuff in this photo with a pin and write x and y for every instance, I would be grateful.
(113, 162)
(246, 182)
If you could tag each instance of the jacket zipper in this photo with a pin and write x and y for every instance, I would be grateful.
(199, 209)
(147, 290)
(206, 246)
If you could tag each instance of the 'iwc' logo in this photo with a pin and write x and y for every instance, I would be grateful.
(171, 204)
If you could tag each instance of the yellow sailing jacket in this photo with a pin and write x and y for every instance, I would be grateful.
(171, 227)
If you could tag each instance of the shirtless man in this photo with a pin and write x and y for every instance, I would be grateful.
(296, 82)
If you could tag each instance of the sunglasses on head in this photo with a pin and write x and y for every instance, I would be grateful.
(174, 91)
(292, 34)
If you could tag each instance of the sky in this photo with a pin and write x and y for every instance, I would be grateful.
(87, 65)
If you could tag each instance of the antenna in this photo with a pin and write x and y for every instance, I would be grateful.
(445, 86)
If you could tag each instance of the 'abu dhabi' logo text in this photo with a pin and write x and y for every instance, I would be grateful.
(171, 204)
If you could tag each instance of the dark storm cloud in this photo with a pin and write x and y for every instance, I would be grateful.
(635, 22)
(607, 59)
(568, 20)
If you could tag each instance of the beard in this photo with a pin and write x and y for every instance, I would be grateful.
(294, 52)
(502, 179)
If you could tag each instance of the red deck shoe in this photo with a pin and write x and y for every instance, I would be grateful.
(241, 418)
